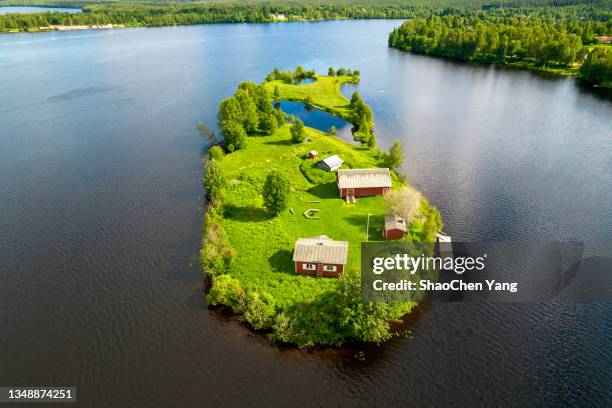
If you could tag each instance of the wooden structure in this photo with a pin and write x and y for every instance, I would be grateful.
(313, 154)
(320, 256)
(395, 227)
(331, 163)
(363, 182)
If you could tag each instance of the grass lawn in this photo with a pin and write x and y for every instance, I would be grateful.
(324, 93)
(264, 244)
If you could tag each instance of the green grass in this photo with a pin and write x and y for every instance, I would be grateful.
(264, 244)
(324, 93)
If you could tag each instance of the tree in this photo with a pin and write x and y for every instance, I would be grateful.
(394, 157)
(404, 202)
(276, 192)
(280, 116)
(213, 179)
(269, 124)
(597, 68)
(276, 92)
(298, 133)
(233, 135)
(355, 98)
(229, 111)
(308, 100)
(332, 130)
(341, 72)
(216, 152)
(331, 71)
(250, 118)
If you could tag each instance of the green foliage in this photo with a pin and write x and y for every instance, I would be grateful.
(394, 157)
(280, 116)
(234, 135)
(268, 124)
(331, 71)
(290, 77)
(332, 130)
(497, 37)
(213, 179)
(215, 153)
(597, 68)
(308, 100)
(276, 192)
(276, 92)
(216, 253)
(227, 291)
(297, 132)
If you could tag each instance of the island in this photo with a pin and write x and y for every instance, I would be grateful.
(272, 200)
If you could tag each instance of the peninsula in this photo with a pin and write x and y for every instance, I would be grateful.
(266, 191)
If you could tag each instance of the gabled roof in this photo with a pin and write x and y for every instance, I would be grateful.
(394, 222)
(361, 178)
(320, 249)
(331, 162)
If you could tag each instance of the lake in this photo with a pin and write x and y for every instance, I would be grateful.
(101, 210)
(28, 10)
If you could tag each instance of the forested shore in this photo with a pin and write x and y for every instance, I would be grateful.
(564, 43)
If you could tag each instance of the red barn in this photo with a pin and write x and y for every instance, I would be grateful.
(320, 256)
(395, 227)
(363, 182)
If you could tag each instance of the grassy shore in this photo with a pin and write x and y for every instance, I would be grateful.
(324, 93)
(260, 283)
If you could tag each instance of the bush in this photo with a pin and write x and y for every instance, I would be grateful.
(215, 153)
(276, 192)
(280, 116)
(234, 135)
(298, 134)
(213, 179)
(216, 253)
(394, 157)
(227, 291)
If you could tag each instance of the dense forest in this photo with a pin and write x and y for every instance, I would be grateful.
(539, 38)
(161, 12)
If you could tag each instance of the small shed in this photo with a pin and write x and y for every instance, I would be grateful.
(363, 182)
(445, 245)
(395, 227)
(313, 154)
(320, 256)
(331, 163)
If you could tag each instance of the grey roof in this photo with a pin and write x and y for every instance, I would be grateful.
(331, 163)
(361, 178)
(394, 222)
(320, 249)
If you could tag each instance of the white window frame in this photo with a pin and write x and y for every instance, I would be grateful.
(330, 268)
(309, 266)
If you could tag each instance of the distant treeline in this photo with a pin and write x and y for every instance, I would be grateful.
(162, 13)
(132, 14)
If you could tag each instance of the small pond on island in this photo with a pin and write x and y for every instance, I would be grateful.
(316, 118)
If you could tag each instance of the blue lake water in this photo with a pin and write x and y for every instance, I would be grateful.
(101, 208)
(317, 119)
(28, 10)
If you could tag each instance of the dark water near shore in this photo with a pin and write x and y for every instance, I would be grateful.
(28, 10)
(101, 205)
(317, 119)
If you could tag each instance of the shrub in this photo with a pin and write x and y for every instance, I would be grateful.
(298, 134)
(394, 157)
(404, 202)
(216, 254)
(234, 135)
(215, 153)
(276, 192)
(227, 291)
(213, 179)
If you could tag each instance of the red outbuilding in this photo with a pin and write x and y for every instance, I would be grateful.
(395, 227)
